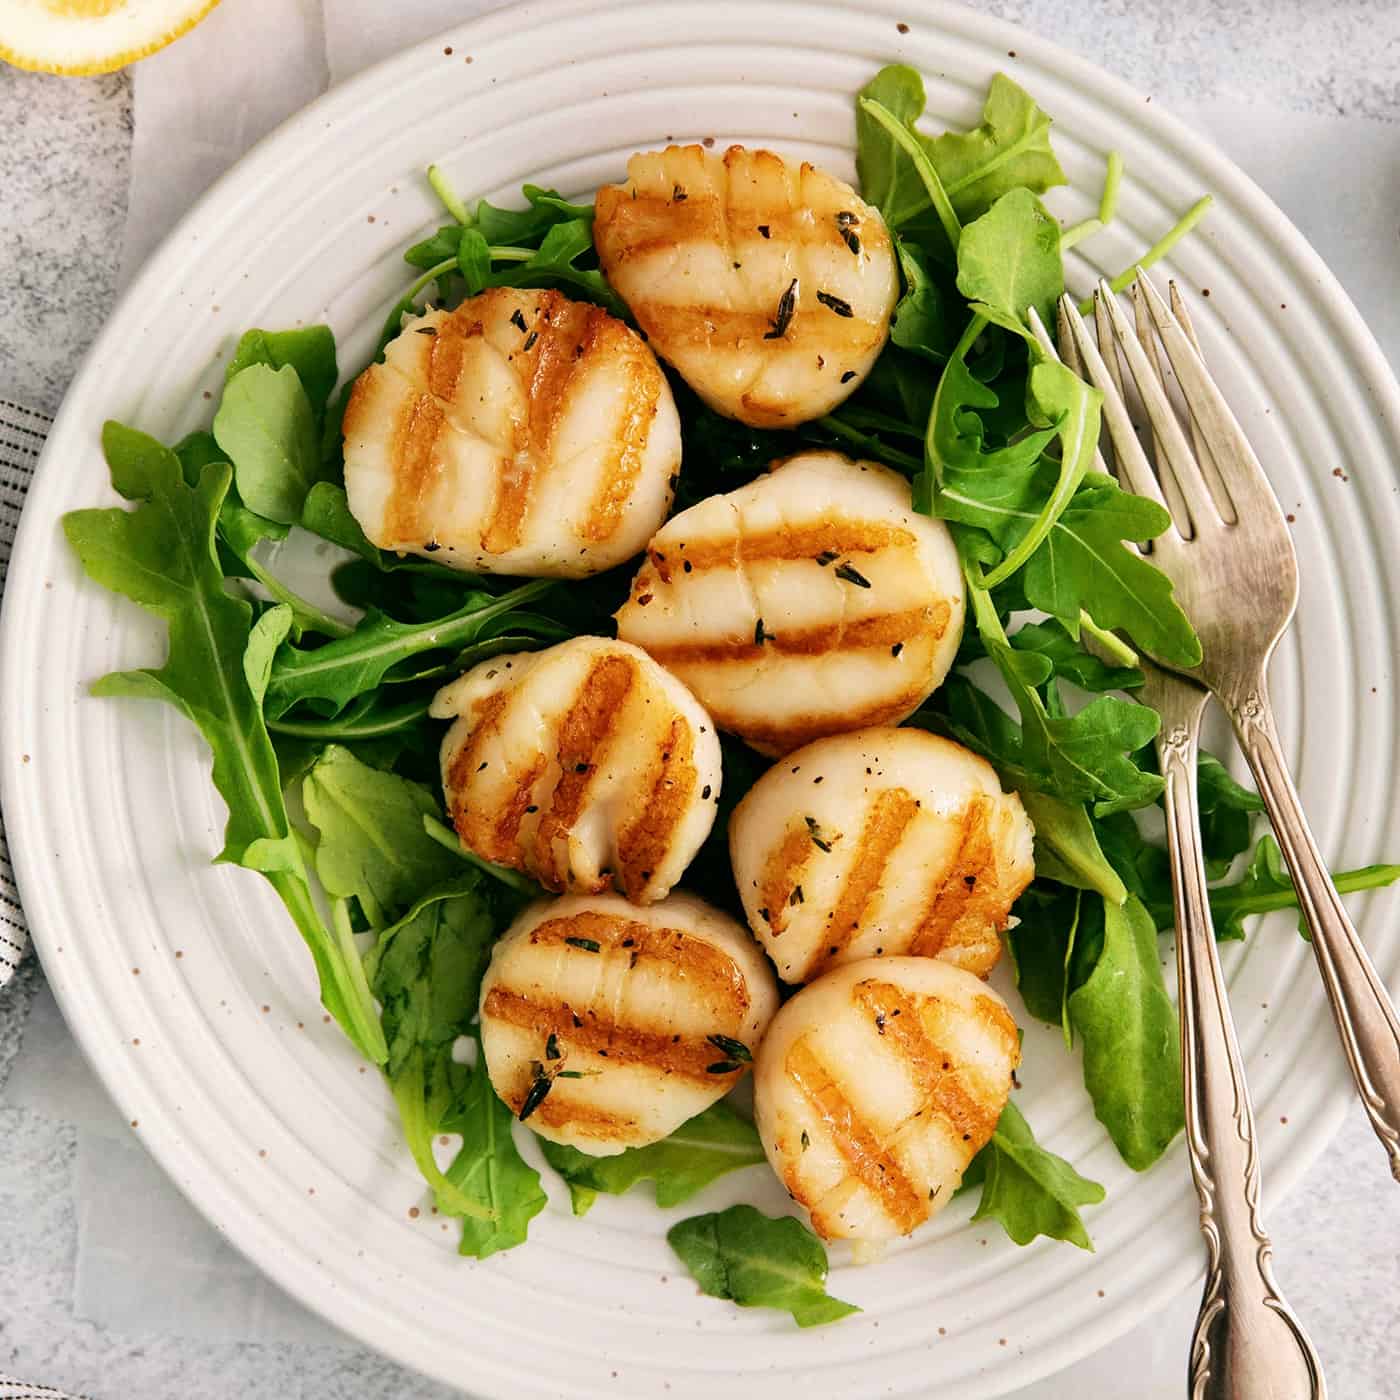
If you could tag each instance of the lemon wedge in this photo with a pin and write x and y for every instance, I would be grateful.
(91, 36)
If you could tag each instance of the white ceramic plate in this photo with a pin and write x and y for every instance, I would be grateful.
(218, 1049)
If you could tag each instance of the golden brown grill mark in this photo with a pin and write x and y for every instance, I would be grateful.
(560, 1113)
(708, 971)
(447, 353)
(584, 733)
(611, 1042)
(415, 464)
(475, 830)
(968, 898)
(663, 796)
(644, 384)
(808, 540)
(782, 874)
(933, 1069)
(878, 632)
(505, 836)
(890, 817)
(867, 1157)
(653, 224)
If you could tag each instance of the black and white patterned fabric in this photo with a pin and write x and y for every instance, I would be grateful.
(22, 433)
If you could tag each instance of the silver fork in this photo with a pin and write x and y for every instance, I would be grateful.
(1247, 1344)
(1230, 556)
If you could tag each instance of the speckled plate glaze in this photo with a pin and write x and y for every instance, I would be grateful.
(218, 1052)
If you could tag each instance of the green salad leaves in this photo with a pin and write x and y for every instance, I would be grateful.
(715, 1142)
(162, 556)
(316, 712)
(758, 1261)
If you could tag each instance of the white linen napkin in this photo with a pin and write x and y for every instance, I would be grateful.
(198, 106)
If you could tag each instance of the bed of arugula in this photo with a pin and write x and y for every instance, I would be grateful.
(324, 754)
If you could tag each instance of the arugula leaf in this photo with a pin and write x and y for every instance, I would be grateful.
(923, 319)
(1142, 864)
(373, 846)
(1227, 812)
(1008, 149)
(369, 717)
(1078, 758)
(266, 427)
(1060, 400)
(759, 1262)
(310, 350)
(1084, 757)
(1132, 1049)
(887, 176)
(474, 261)
(1009, 259)
(161, 555)
(957, 435)
(1055, 922)
(1067, 847)
(490, 1171)
(1083, 567)
(240, 529)
(1029, 1190)
(555, 261)
(326, 512)
(1082, 564)
(1052, 640)
(717, 1141)
(526, 227)
(1266, 885)
(915, 149)
(426, 971)
(442, 247)
(336, 673)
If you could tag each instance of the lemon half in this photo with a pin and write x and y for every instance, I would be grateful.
(91, 36)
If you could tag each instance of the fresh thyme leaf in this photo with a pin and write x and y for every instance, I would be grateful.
(734, 1049)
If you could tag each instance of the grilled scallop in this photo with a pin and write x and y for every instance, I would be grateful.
(811, 601)
(769, 286)
(877, 1085)
(522, 433)
(587, 766)
(607, 1026)
(880, 842)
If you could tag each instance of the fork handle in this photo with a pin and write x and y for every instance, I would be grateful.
(1364, 1012)
(1247, 1344)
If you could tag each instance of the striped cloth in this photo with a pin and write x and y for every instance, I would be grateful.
(11, 1389)
(22, 433)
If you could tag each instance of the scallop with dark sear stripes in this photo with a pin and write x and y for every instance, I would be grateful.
(877, 1085)
(812, 601)
(606, 1026)
(523, 433)
(768, 285)
(881, 842)
(587, 766)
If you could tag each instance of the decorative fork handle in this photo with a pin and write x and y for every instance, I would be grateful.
(1364, 1012)
(1247, 1344)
